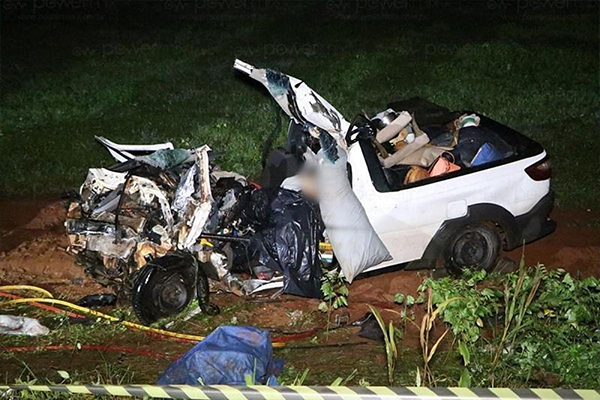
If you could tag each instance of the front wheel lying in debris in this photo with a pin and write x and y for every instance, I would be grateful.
(167, 285)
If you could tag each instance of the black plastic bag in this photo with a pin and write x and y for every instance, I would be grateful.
(257, 208)
(289, 239)
(279, 165)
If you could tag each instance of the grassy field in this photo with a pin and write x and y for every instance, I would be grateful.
(165, 73)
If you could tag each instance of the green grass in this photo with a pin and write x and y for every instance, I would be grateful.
(143, 82)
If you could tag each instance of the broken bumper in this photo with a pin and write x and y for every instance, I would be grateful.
(535, 224)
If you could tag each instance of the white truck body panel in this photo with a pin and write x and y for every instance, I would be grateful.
(407, 220)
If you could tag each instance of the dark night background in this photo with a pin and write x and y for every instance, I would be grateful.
(144, 71)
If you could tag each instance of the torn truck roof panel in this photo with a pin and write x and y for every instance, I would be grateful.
(299, 101)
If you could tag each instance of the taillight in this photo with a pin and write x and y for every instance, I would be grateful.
(540, 171)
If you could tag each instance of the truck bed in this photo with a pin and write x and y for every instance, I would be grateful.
(428, 114)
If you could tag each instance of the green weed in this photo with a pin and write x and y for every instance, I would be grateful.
(541, 327)
(389, 337)
(335, 293)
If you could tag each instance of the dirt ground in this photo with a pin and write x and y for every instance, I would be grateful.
(32, 251)
(33, 243)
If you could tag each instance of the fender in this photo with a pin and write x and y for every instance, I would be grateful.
(476, 213)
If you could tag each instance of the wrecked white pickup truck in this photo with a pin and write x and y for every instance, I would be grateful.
(416, 185)
(461, 218)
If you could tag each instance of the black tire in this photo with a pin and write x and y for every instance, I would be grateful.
(475, 247)
(164, 287)
(203, 295)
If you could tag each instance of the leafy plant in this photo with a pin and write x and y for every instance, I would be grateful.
(389, 337)
(408, 301)
(291, 377)
(300, 378)
(466, 315)
(562, 310)
(541, 327)
(425, 334)
(465, 376)
(335, 293)
(339, 381)
(518, 296)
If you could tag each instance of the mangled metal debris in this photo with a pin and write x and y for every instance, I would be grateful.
(140, 210)
(155, 226)
(302, 104)
(124, 152)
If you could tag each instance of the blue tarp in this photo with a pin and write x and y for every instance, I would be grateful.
(224, 358)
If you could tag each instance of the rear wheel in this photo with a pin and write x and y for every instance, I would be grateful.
(475, 247)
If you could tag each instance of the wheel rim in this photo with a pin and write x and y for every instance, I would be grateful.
(172, 294)
(471, 249)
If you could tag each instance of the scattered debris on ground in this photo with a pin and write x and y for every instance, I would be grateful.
(15, 325)
(230, 355)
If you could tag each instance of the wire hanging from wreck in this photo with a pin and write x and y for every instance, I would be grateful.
(10, 288)
(278, 342)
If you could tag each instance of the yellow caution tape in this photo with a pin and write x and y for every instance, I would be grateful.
(306, 392)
